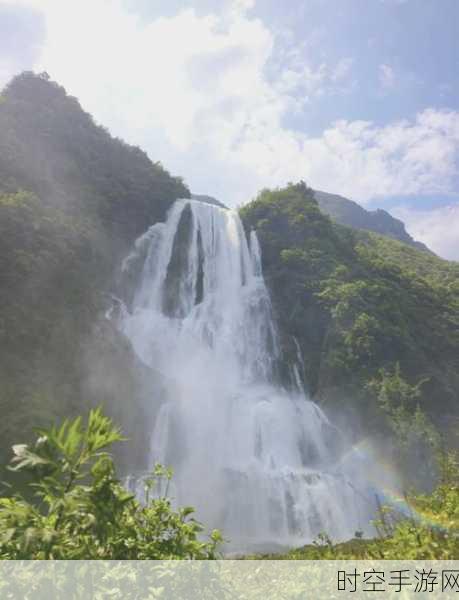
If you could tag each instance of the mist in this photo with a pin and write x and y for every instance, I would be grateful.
(256, 457)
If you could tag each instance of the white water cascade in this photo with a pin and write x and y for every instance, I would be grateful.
(259, 462)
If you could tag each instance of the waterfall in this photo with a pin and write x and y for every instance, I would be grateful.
(258, 461)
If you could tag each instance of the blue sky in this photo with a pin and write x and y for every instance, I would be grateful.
(357, 97)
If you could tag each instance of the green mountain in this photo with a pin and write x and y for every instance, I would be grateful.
(357, 302)
(72, 201)
(346, 212)
(349, 213)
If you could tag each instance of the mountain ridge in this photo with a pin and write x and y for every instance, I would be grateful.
(350, 213)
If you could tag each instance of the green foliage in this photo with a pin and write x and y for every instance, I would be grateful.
(51, 147)
(299, 249)
(396, 398)
(72, 200)
(399, 401)
(357, 302)
(79, 509)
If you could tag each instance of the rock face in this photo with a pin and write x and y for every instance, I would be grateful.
(349, 213)
(112, 376)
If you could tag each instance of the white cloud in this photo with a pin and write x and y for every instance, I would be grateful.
(200, 93)
(438, 228)
(243, 5)
(7, 70)
(386, 76)
(342, 69)
(407, 157)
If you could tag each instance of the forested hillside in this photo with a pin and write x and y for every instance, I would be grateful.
(376, 320)
(357, 303)
(72, 200)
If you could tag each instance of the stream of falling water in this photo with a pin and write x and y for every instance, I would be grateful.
(259, 462)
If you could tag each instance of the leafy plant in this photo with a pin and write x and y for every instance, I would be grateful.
(416, 441)
(80, 510)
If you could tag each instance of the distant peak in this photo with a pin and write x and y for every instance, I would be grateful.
(349, 213)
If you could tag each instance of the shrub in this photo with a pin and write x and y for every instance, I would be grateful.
(80, 510)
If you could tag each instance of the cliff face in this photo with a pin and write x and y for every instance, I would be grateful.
(349, 213)
(72, 200)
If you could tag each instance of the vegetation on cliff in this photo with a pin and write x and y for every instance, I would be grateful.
(357, 303)
(72, 200)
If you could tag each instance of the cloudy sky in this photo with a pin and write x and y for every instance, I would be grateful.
(357, 97)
